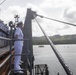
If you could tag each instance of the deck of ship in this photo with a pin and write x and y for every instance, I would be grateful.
(4, 50)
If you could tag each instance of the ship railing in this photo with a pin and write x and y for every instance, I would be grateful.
(28, 56)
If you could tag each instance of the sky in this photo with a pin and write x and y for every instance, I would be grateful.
(64, 10)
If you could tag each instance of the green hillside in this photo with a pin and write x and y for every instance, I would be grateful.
(56, 39)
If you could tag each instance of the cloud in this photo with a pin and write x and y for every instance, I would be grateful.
(58, 9)
(68, 31)
(36, 31)
(64, 10)
(70, 14)
(55, 10)
(8, 14)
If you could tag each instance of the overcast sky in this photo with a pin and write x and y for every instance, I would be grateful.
(64, 10)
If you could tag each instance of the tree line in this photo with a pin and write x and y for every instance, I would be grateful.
(56, 39)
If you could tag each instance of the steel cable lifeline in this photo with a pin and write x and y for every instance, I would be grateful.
(2, 2)
(61, 60)
(56, 20)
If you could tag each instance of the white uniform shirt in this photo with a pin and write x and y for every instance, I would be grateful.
(20, 36)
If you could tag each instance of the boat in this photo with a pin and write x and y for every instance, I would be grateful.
(41, 45)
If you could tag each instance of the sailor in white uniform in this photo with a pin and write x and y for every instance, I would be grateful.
(18, 46)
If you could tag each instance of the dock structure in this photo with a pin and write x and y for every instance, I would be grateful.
(28, 46)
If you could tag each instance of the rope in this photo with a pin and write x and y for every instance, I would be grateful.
(2, 2)
(56, 20)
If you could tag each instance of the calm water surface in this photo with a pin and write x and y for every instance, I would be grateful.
(45, 55)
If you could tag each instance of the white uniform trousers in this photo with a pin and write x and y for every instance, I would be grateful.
(18, 50)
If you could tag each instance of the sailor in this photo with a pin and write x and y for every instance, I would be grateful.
(18, 44)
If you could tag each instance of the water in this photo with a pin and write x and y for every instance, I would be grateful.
(45, 55)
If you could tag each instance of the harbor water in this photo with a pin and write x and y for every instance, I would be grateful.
(45, 55)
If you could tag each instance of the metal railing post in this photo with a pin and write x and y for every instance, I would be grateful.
(11, 50)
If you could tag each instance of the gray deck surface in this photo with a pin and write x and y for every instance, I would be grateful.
(3, 50)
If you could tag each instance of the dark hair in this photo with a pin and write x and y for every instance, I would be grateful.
(19, 23)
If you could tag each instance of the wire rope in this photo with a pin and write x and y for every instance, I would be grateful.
(56, 20)
(2, 2)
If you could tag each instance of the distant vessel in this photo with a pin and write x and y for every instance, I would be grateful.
(41, 46)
